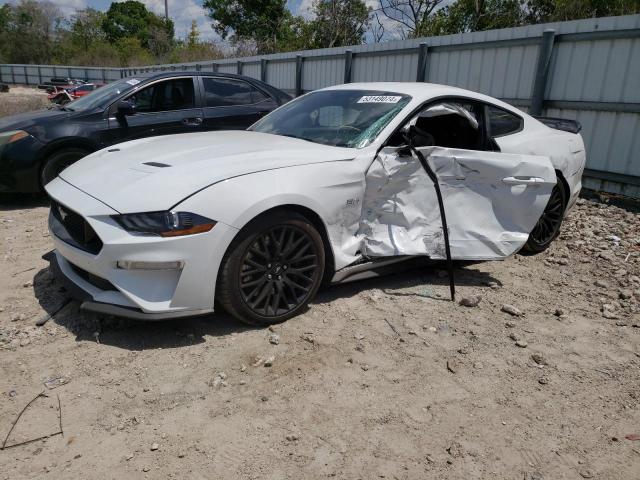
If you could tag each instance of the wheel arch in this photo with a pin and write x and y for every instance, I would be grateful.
(314, 218)
(64, 143)
(60, 145)
(565, 184)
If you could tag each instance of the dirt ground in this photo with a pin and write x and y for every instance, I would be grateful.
(383, 378)
(22, 99)
(379, 379)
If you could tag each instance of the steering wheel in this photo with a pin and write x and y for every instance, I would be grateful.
(348, 127)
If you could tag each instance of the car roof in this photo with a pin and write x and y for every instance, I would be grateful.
(420, 91)
(181, 73)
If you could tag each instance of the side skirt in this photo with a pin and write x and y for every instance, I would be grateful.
(372, 268)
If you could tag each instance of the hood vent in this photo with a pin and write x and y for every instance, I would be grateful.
(156, 164)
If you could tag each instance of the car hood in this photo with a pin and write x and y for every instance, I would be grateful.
(159, 172)
(23, 121)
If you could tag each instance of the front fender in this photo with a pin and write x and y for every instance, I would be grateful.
(334, 191)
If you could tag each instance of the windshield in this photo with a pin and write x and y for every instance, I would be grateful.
(100, 95)
(341, 118)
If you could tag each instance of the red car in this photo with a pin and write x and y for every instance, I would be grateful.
(68, 93)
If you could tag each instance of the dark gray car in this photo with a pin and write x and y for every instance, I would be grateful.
(36, 146)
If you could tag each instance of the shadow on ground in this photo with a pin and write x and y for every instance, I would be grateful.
(417, 279)
(21, 201)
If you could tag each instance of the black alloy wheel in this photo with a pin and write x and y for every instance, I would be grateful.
(548, 226)
(273, 272)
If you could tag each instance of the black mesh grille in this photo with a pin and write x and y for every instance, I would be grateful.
(77, 230)
(94, 280)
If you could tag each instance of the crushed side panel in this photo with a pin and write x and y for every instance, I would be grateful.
(487, 218)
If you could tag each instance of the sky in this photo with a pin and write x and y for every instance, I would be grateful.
(182, 12)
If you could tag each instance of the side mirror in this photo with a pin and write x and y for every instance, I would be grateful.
(126, 108)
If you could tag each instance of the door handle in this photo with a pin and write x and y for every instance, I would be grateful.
(523, 180)
(262, 113)
(192, 122)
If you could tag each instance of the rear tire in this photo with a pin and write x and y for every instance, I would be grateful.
(548, 226)
(272, 269)
(58, 161)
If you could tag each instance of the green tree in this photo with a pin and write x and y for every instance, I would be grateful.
(86, 27)
(339, 23)
(474, 15)
(5, 14)
(562, 10)
(30, 31)
(131, 19)
(132, 53)
(264, 21)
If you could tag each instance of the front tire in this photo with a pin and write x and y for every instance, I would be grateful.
(272, 270)
(58, 161)
(548, 226)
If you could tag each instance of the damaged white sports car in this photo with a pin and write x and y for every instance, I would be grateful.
(331, 186)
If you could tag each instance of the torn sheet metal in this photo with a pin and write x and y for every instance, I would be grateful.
(492, 201)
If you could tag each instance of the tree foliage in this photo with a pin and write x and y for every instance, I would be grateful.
(128, 34)
(476, 15)
(132, 19)
(338, 23)
(263, 21)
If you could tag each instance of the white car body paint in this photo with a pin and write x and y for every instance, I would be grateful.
(232, 177)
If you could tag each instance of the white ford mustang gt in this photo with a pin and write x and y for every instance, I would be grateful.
(331, 186)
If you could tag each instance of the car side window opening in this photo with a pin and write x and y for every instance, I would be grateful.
(175, 94)
(226, 92)
(502, 122)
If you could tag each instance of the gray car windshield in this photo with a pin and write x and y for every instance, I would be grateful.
(341, 118)
(101, 95)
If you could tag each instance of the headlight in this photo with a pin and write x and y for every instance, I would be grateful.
(164, 224)
(12, 136)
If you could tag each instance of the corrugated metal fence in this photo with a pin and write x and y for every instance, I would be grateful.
(588, 70)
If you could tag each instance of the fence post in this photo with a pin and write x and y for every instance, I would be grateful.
(69, 72)
(239, 68)
(298, 75)
(13, 75)
(39, 75)
(104, 76)
(214, 67)
(348, 62)
(263, 69)
(423, 52)
(26, 75)
(542, 72)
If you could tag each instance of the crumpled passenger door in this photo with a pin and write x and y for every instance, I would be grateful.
(492, 201)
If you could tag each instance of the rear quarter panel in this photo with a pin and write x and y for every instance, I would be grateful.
(566, 151)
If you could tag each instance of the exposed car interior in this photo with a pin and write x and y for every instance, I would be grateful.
(454, 124)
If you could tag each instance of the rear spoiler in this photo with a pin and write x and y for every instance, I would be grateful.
(571, 126)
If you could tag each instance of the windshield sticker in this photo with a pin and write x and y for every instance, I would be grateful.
(379, 99)
(133, 81)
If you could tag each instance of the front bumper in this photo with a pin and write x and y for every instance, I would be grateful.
(95, 278)
(20, 166)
